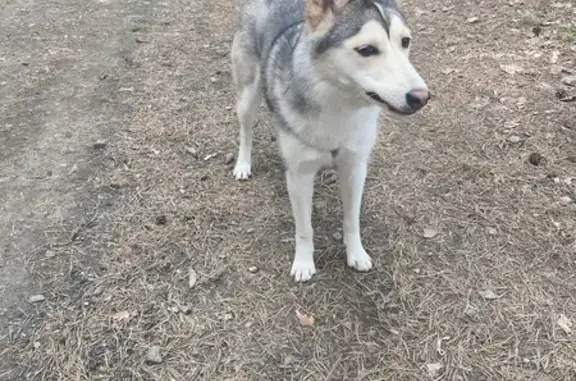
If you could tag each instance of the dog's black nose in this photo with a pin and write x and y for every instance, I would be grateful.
(418, 98)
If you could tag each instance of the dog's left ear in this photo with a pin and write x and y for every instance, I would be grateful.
(321, 14)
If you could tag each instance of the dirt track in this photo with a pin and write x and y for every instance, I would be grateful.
(116, 120)
(64, 68)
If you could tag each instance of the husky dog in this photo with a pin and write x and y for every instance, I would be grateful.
(325, 69)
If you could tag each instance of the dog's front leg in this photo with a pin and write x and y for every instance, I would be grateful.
(301, 189)
(352, 174)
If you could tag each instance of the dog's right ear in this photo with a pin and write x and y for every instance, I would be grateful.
(321, 14)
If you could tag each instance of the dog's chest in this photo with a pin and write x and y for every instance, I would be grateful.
(354, 130)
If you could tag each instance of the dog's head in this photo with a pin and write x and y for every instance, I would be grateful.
(363, 46)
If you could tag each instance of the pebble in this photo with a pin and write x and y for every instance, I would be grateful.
(36, 298)
(192, 151)
(535, 158)
(569, 80)
(99, 144)
(253, 269)
(153, 356)
(529, 19)
(488, 294)
(429, 233)
(186, 310)
(491, 231)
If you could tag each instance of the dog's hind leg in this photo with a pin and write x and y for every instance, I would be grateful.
(246, 74)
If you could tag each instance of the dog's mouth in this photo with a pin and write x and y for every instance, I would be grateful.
(378, 99)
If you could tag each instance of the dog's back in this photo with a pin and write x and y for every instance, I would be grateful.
(264, 20)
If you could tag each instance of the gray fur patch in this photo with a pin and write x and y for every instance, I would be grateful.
(355, 15)
(272, 30)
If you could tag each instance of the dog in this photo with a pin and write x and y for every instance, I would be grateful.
(325, 69)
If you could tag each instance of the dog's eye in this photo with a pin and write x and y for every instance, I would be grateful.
(406, 42)
(367, 50)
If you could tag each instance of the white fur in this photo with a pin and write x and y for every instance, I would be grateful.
(346, 123)
(303, 162)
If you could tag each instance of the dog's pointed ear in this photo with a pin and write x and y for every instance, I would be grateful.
(321, 14)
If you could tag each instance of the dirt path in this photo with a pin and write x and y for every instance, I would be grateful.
(65, 67)
(110, 235)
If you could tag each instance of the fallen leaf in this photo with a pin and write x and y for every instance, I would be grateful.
(289, 360)
(511, 69)
(473, 20)
(569, 80)
(511, 124)
(556, 69)
(521, 101)
(565, 323)
(434, 369)
(121, 316)
(229, 158)
(210, 156)
(488, 294)
(554, 57)
(193, 278)
(429, 233)
(304, 320)
(480, 102)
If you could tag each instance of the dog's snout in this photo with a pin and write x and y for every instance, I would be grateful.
(418, 98)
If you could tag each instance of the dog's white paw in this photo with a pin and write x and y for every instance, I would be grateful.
(303, 269)
(359, 260)
(242, 170)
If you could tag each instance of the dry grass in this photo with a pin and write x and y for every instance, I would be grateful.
(460, 167)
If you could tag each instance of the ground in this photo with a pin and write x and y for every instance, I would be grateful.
(117, 128)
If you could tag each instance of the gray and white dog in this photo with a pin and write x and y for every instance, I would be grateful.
(325, 69)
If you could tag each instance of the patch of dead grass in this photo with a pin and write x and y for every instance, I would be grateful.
(421, 314)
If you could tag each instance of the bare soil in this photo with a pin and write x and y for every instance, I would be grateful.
(116, 126)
